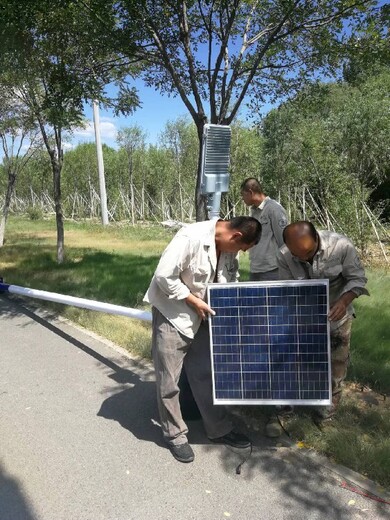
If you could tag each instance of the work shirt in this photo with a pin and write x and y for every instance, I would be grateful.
(335, 260)
(273, 220)
(186, 266)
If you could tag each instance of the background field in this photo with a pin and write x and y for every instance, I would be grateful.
(115, 265)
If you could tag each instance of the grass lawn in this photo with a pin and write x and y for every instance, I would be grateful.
(115, 265)
(111, 265)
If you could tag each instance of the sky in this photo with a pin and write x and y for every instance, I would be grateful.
(155, 111)
(152, 116)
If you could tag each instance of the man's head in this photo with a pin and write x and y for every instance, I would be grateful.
(237, 234)
(251, 192)
(302, 239)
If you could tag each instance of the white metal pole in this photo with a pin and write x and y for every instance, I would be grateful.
(93, 305)
(99, 150)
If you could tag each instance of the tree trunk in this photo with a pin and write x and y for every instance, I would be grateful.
(7, 203)
(143, 200)
(200, 200)
(56, 166)
(132, 204)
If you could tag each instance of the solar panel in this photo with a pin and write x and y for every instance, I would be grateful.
(270, 342)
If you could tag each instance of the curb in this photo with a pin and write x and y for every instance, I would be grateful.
(346, 474)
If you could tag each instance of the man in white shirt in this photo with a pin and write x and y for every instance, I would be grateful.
(273, 219)
(199, 253)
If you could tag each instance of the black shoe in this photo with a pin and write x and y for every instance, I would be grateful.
(182, 452)
(234, 439)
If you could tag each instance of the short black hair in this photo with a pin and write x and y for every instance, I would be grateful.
(248, 226)
(302, 224)
(251, 184)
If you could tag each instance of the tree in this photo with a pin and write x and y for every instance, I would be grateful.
(18, 136)
(369, 53)
(179, 138)
(131, 140)
(333, 141)
(217, 54)
(57, 57)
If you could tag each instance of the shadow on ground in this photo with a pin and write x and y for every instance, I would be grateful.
(13, 504)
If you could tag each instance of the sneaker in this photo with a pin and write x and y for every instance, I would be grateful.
(182, 452)
(234, 439)
(273, 428)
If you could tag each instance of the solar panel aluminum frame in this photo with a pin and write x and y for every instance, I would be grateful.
(295, 402)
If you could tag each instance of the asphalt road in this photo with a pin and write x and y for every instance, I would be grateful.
(79, 440)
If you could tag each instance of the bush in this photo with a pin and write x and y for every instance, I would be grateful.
(34, 213)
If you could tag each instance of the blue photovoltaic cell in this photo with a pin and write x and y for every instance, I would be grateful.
(270, 342)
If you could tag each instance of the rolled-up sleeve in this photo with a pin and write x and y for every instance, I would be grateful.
(353, 272)
(174, 260)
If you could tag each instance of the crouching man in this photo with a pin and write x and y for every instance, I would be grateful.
(199, 253)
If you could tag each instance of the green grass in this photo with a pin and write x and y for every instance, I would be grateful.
(112, 265)
(359, 436)
(371, 335)
(115, 265)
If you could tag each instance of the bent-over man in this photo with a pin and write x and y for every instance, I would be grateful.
(199, 253)
(309, 254)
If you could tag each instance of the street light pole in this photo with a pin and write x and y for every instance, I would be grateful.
(99, 150)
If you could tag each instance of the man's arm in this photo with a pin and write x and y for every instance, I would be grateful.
(201, 307)
(354, 275)
(278, 223)
(339, 308)
(353, 272)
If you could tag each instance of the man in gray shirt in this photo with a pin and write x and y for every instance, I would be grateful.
(273, 219)
(311, 254)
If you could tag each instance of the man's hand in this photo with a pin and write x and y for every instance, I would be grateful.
(339, 308)
(200, 306)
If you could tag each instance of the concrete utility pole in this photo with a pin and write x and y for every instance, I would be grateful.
(102, 182)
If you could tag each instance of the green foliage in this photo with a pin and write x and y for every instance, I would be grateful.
(165, 170)
(220, 52)
(60, 56)
(245, 161)
(334, 140)
(36, 176)
(34, 213)
(218, 55)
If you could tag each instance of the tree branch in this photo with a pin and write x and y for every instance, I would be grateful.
(264, 49)
(185, 38)
(208, 26)
(168, 65)
(274, 37)
(225, 31)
